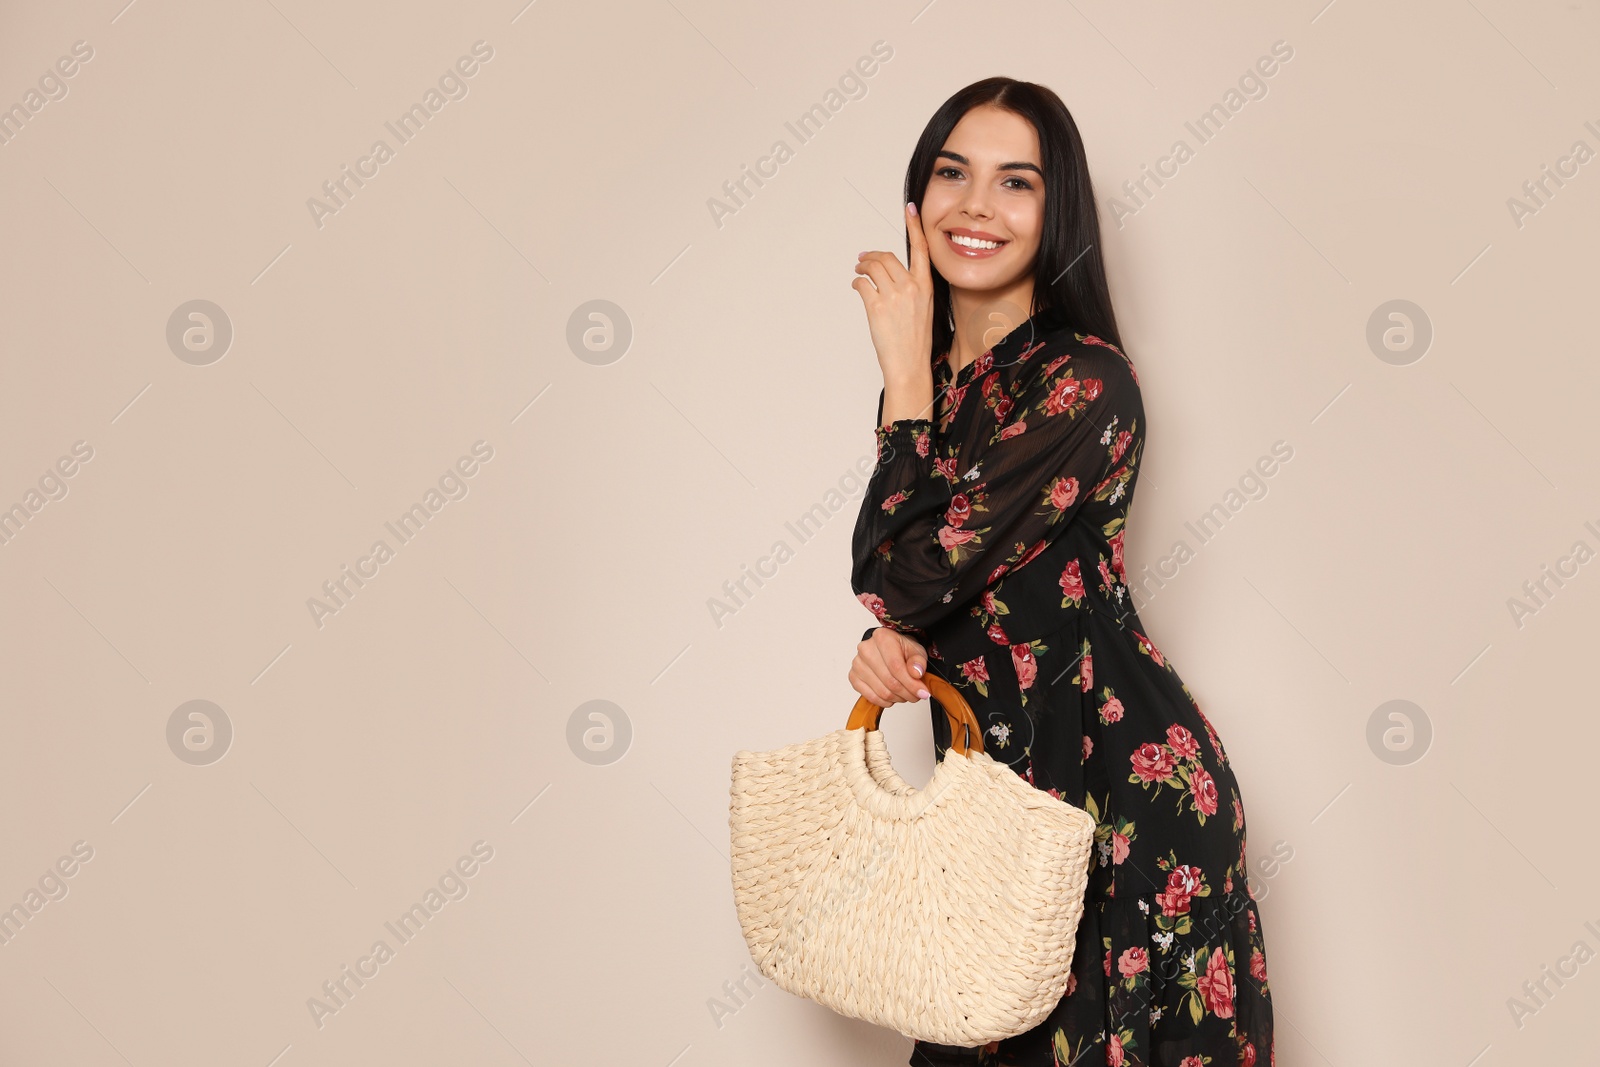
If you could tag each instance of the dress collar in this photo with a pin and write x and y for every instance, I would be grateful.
(1040, 326)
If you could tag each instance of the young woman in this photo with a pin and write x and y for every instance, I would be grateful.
(990, 544)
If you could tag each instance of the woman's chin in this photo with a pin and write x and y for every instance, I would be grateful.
(978, 282)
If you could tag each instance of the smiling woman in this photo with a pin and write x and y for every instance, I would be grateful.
(989, 545)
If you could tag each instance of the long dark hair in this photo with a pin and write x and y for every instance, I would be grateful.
(1070, 274)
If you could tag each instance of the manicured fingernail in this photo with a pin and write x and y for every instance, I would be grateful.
(912, 204)
(917, 667)
(923, 693)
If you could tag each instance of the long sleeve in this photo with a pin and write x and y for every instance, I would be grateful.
(943, 519)
(877, 421)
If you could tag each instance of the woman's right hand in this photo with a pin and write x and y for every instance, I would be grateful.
(888, 668)
(899, 305)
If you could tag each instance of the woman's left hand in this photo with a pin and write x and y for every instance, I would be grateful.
(888, 668)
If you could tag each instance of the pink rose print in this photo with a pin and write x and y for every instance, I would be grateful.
(1026, 666)
(983, 364)
(1003, 408)
(1204, 789)
(1107, 963)
(1186, 879)
(873, 603)
(1105, 573)
(1147, 647)
(893, 500)
(1247, 1056)
(1088, 672)
(946, 469)
(987, 601)
(1063, 491)
(1182, 884)
(1172, 903)
(1114, 1054)
(1116, 556)
(1062, 396)
(1258, 966)
(1191, 1061)
(1111, 710)
(1072, 983)
(959, 511)
(1119, 847)
(1121, 445)
(950, 536)
(1013, 430)
(922, 441)
(997, 635)
(1153, 762)
(1088, 746)
(1072, 581)
(1182, 742)
(1092, 388)
(1050, 368)
(975, 669)
(1216, 986)
(1133, 961)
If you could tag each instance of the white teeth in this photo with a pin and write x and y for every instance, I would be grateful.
(973, 242)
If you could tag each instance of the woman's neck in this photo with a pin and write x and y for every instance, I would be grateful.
(983, 319)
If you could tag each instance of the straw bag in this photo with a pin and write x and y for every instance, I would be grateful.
(948, 914)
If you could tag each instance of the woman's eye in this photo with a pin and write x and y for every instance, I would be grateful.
(1023, 183)
(948, 172)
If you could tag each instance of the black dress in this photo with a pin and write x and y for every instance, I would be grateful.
(995, 538)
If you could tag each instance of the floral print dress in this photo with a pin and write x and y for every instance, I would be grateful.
(993, 535)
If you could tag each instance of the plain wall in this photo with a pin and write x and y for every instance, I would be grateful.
(444, 703)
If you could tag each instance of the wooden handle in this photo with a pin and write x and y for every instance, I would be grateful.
(966, 735)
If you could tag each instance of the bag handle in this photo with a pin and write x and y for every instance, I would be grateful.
(966, 735)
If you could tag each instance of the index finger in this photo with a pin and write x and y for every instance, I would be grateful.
(919, 243)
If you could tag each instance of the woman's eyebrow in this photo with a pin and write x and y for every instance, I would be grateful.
(1004, 166)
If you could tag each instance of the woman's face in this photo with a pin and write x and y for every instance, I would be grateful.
(987, 187)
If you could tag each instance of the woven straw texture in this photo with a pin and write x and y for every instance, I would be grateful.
(948, 914)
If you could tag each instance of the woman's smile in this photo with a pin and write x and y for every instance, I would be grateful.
(974, 244)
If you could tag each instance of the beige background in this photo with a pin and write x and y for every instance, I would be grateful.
(434, 709)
